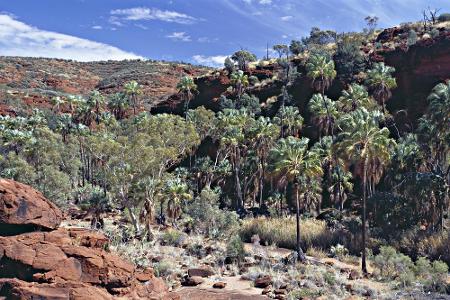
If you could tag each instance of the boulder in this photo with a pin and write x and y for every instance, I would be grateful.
(263, 281)
(204, 271)
(354, 275)
(192, 281)
(23, 209)
(18, 289)
(63, 263)
(219, 285)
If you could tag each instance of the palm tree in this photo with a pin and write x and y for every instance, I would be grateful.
(96, 100)
(361, 140)
(291, 158)
(231, 128)
(263, 134)
(240, 81)
(381, 82)
(324, 113)
(354, 97)
(321, 71)
(118, 105)
(289, 118)
(132, 89)
(177, 192)
(186, 87)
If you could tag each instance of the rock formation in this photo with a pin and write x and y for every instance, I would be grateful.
(39, 260)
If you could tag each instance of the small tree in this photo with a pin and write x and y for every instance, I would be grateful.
(242, 58)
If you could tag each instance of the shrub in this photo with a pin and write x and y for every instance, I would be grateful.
(235, 249)
(206, 216)
(412, 37)
(391, 264)
(339, 251)
(173, 237)
(444, 17)
(282, 232)
(434, 33)
(163, 268)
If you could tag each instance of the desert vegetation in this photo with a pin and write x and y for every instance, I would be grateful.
(336, 183)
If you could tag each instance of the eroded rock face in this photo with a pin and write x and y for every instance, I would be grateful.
(24, 209)
(64, 263)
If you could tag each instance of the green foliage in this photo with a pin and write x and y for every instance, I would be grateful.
(348, 57)
(412, 38)
(380, 82)
(173, 237)
(208, 219)
(235, 249)
(242, 58)
(296, 47)
(445, 17)
(392, 265)
(321, 70)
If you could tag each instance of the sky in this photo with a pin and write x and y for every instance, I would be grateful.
(195, 31)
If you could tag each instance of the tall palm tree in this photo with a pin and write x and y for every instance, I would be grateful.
(354, 97)
(96, 100)
(263, 134)
(133, 90)
(240, 82)
(322, 72)
(231, 130)
(380, 81)
(291, 158)
(362, 140)
(324, 113)
(187, 87)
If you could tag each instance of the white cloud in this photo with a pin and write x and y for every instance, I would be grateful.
(97, 27)
(145, 13)
(212, 61)
(286, 18)
(265, 2)
(179, 36)
(20, 39)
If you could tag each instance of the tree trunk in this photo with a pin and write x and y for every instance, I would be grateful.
(364, 229)
(237, 182)
(261, 186)
(134, 221)
(300, 255)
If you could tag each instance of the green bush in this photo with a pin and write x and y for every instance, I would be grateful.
(282, 232)
(444, 17)
(173, 237)
(235, 249)
(392, 265)
(206, 216)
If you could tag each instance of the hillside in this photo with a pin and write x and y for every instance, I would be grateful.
(31, 82)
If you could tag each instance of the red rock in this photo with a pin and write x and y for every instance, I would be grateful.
(204, 271)
(192, 281)
(23, 208)
(263, 281)
(219, 285)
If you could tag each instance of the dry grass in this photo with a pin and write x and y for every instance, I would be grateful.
(282, 232)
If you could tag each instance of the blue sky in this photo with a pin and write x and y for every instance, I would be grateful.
(198, 31)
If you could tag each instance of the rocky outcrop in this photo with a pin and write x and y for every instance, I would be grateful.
(23, 209)
(70, 263)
